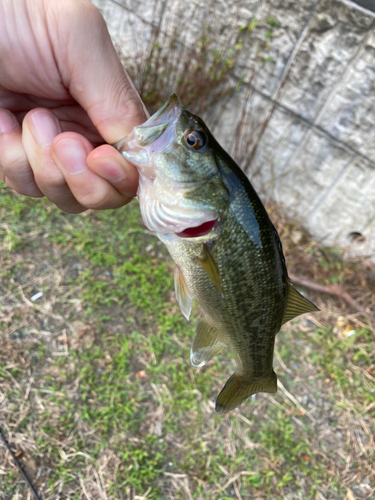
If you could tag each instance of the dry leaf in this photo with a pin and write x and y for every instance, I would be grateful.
(349, 495)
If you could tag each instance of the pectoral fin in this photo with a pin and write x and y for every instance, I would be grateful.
(182, 292)
(209, 265)
(296, 304)
(238, 388)
(207, 343)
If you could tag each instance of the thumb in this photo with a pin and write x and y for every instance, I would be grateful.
(93, 73)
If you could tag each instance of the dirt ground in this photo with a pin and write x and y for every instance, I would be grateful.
(99, 401)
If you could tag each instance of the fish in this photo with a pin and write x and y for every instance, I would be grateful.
(227, 253)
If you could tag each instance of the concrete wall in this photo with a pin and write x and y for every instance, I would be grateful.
(315, 95)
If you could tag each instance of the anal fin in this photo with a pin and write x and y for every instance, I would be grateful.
(296, 304)
(238, 388)
(182, 293)
(207, 343)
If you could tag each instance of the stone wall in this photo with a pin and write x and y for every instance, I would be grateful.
(315, 93)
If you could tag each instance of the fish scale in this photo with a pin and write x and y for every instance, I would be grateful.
(228, 254)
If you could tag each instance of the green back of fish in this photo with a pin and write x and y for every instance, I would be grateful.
(252, 267)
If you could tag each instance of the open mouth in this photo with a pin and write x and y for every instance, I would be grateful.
(194, 232)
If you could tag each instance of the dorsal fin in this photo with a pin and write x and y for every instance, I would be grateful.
(296, 304)
(207, 343)
(182, 292)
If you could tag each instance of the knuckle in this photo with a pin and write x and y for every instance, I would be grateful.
(12, 164)
(94, 200)
(129, 102)
(26, 189)
(50, 177)
(102, 200)
(72, 209)
(96, 16)
(15, 168)
(18, 176)
(120, 105)
(87, 14)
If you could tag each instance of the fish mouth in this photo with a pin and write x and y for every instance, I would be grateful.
(152, 136)
(195, 232)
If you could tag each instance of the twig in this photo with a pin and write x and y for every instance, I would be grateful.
(293, 399)
(27, 480)
(332, 290)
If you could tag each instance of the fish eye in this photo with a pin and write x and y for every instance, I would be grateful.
(195, 139)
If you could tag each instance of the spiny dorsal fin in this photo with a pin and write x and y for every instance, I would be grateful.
(209, 265)
(207, 343)
(296, 304)
(182, 292)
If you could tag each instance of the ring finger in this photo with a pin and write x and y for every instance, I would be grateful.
(15, 170)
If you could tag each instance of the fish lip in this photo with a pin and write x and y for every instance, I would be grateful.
(201, 230)
(167, 115)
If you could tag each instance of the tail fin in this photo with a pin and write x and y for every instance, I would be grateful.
(238, 388)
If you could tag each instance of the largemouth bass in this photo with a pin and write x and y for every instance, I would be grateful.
(227, 252)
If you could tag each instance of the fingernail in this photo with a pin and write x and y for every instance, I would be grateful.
(44, 127)
(70, 156)
(7, 121)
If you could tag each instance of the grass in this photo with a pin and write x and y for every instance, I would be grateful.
(97, 393)
(96, 390)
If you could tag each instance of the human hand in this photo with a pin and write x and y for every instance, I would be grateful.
(63, 92)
